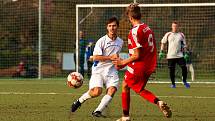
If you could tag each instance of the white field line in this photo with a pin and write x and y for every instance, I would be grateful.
(86, 82)
(54, 93)
(178, 84)
(192, 82)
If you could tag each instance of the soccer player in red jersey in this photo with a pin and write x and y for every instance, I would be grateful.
(141, 63)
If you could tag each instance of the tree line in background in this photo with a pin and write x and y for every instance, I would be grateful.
(19, 28)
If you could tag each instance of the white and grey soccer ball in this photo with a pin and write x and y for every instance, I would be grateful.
(75, 80)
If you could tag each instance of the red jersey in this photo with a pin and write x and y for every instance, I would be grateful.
(142, 37)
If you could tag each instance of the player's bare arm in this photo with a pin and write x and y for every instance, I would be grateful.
(105, 58)
(135, 56)
(162, 46)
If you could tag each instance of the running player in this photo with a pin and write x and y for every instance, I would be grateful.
(106, 49)
(141, 63)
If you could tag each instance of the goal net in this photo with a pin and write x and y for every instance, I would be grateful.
(197, 22)
(44, 34)
(19, 38)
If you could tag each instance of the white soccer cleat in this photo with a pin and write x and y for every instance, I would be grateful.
(165, 109)
(124, 119)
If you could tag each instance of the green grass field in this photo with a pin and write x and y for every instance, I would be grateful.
(50, 100)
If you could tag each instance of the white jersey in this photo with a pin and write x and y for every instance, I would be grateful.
(106, 47)
(176, 43)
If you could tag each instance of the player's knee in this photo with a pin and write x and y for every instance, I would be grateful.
(95, 92)
(111, 91)
(125, 87)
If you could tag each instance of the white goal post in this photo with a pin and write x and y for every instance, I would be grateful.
(79, 21)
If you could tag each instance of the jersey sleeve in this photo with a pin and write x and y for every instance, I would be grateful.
(122, 42)
(136, 40)
(183, 40)
(98, 48)
(165, 38)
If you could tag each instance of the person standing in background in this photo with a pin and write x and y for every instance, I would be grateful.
(82, 46)
(21, 70)
(89, 52)
(176, 53)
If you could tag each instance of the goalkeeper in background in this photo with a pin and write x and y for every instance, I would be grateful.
(176, 47)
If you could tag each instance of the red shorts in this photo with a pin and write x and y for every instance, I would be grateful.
(138, 81)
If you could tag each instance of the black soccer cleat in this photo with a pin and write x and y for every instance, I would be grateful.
(75, 106)
(98, 114)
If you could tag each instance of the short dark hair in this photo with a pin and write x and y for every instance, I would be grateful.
(175, 22)
(133, 10)
(112, 19)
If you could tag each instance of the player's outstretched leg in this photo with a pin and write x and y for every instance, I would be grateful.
(104, 102)
(92, 93)
(75, 105)
(165, 109)
(82, 99)
(153, 99)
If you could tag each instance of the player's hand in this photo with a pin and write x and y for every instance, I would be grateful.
(186, 56)
(118, 62)
(161, 55)
(114, 57)
(91, 59)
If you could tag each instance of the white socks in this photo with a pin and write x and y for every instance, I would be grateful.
(126, 118)
(84, 97)
(104, 102)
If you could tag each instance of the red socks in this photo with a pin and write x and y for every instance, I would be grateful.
(126, 103)
(144, 93)
(149, 96)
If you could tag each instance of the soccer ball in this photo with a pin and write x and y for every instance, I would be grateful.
(75, 80)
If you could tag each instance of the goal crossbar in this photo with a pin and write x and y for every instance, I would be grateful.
(145, 5)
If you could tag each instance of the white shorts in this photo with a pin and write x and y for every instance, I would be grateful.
(98, 80)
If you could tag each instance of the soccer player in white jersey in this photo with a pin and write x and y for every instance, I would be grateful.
(176, 47)
(106, 49)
